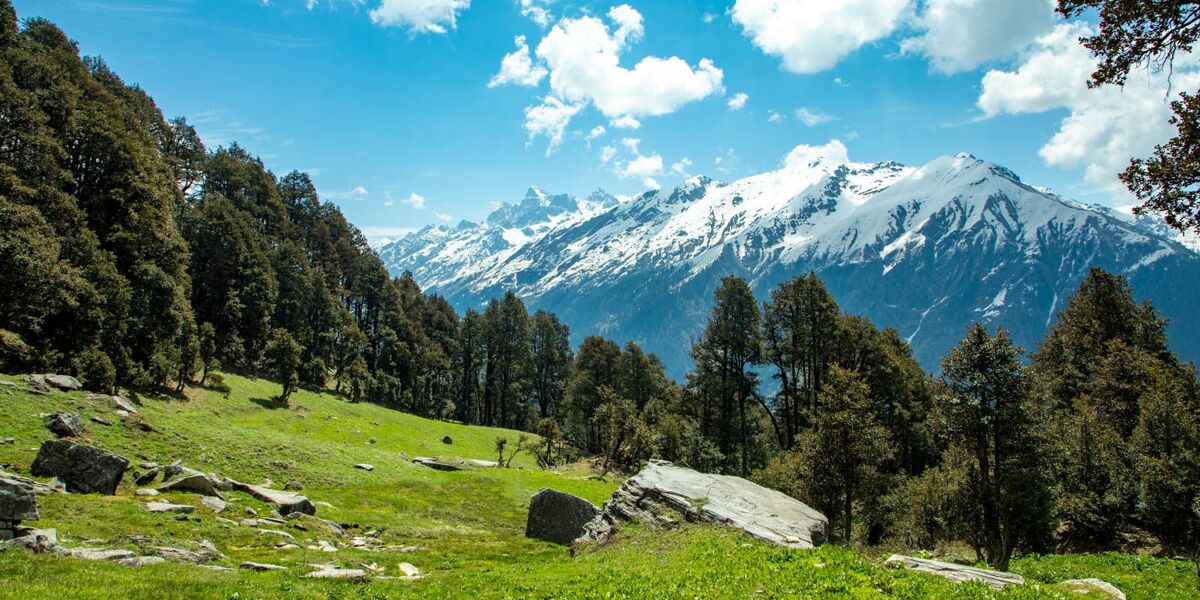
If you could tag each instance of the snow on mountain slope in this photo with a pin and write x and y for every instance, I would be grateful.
(925, 250)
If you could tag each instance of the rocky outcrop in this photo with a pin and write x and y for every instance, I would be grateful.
(288, 502)
(64, 425)
(954, 572)
(18, 501)
(558, 517)
(84, 469)
(65, 383)
(661, 488)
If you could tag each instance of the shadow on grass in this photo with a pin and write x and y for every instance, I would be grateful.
(269, 403)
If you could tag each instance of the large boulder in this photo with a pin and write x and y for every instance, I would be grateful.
(62, 382)
(661, 488)
(84, 469)
(198, 483)
(288, 502)
(954, 572)
(64, 424)
(18, 501)
(558, 517)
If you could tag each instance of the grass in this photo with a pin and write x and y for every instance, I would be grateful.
(467, 527)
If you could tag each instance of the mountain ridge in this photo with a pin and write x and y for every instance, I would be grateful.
(923, 249)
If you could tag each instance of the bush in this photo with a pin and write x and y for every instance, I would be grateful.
(931, 509)
(96, 371)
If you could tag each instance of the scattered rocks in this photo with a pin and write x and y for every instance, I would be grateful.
(955, 573)
(65, 383)
(337, 573)
(213, 503)
(64, 425)
(722, 499)
(1086, 586)
(146, 493)
(260, 567)
(558, 517)
(435, 464)
(84, 469)
(364, 467)
(447, 440)
(141, 561)
(167, 507)
(288, 502)
(197, 483)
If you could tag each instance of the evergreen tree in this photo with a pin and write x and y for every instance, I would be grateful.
(551, 357)
(283, 359)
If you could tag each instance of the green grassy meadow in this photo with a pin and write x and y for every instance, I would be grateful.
(463, 529)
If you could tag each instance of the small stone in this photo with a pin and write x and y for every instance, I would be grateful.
(276, 532)
(1086, 586)
(271, 520)
(215, 504)
(146, 493)
(167, 507)
(101, 421)
(8, 441)
(372, 441)
(249, 522)
(447, 440)
(364, 467)
(251, 512)
(337, 573)
(410, 571)
(325, 546)
(260, 567)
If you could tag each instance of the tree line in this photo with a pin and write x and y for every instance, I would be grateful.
(134, 256)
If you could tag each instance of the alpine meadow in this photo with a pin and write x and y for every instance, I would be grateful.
(270, 329)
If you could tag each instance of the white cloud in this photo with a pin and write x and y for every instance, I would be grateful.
(628, 162)
(813, 35)
(838, 82)
(812, 118)
(1104, 127)
(416, 200)
(708, 17)
(550, 119)
(681, 167)
(420, 16)
(583, 57)
(803, 155)
(536, 11)
(607, 153)
(517, 67)
(738, 101)
(596, 132)
(651, 183)
(360, 190)
(625, 122)
(959, 35)
(775, 117)
(443, 217)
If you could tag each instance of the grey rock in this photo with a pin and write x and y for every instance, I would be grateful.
(101, 421)
(84, 469)
(337, 573)
(215, 504)
(435, 464)
(8, 441)
(62, 382)
(167, 507)
(148, 477)
(276, 532)
(288, 502)
(661, 487)
(17, 499)
(146, 493)
(188, 556)
(364, 467)
(1091, 584)
(100, 553)
(197, 483)
(558, 517)
(65, 425)
(410, 571)
(956, 573)
(49, 536)
(141, 561)
(120, 403)
(260, 567)
(486, 464)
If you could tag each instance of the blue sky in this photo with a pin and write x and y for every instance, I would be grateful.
(387, 103)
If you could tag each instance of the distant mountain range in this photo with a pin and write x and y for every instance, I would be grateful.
(924, 250)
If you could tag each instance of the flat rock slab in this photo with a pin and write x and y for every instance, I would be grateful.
(336, 573)
(18, 502)
(1087, 586)
(167, 507)
(62, 382)
(141, 561)
(187, 556)
(288, 502)
(100, 553)
(558, 517)
(410, 570)
(217, 505)
(196, 483)
(364, 467)
(260, 567)
(486, 464)
(120, 403)
(954, 572)
(84, 469)
(722, 499)
(435, 464)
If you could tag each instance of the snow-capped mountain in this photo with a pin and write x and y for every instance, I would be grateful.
(925, 250)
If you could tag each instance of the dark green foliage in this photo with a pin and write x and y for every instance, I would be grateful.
(283, 359)
(986, 411)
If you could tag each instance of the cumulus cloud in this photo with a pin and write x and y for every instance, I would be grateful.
(775, 117)
(681, 168)
(596, 132)
(738, 101)
(812, 118)
(360, 190)
(625, 122)
(804, 155)
(420, 16)
(416, 200)
(550, 119)
(1104, 127)
(628, 162)
(517, 67)
(583, 56)
(959, 35)
(536, 11)
(813, 35)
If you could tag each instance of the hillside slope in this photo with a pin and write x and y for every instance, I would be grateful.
(463, 529)
(924, 250)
